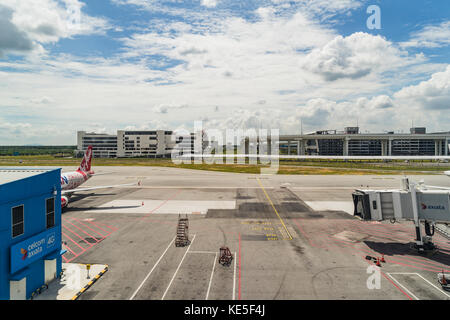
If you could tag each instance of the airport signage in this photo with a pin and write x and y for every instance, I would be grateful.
(432, 207)
(34, 248)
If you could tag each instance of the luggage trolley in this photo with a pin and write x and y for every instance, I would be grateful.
(182, 238)
(225, 256)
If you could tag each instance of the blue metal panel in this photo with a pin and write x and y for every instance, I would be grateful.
(35, 248)
(31, 192)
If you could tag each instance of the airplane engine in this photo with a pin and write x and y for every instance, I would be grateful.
(64, 201)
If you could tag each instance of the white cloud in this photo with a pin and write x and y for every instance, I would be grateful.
(209, 3)
(431, 36)
(11, 38)
(433, 94)
(354, 57)
(37, 22)
(272, 71)
(14, 127)
(166, 108)
(316, 112)
(19, 133)
(42, 100)
(150, 125)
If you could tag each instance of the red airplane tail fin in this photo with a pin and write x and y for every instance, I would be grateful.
(85, 165)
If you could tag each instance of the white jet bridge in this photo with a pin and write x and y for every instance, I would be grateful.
(413, 202)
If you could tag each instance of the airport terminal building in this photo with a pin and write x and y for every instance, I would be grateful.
(30, 231)
(129, 143)
(351, 142)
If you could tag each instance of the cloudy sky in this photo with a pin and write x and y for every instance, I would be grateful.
(103, 65)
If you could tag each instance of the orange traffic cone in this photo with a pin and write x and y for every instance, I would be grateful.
(142, 203)
(382, 259)
(444, 281)
(378, 264)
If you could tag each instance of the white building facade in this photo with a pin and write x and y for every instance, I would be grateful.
(127, 143)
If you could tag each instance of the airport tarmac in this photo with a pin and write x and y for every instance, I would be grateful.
(292, 237)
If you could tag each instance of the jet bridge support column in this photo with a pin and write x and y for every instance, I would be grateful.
(413, 202)
(422, 243)
(412, 188)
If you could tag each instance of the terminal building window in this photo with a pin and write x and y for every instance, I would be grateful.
(50, 212)
(17, 221)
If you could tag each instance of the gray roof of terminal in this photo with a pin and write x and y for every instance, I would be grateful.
(12, 174)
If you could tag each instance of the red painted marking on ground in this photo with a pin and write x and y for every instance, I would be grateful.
(436, 269)
(390, 260)
(239, 286)
(353, 249)
(82, 230)
(107, 226)
(352, 245)
(431, 264)
(382, 273)
(90, 235)
(163, 203)
(384, 234)
(342, 244)
(93, 223)
(104, 236)
(64, 258)
(65, 235)
(437, 238)
(68, 248)
(305, 236)
(410, 233)
(90, 244)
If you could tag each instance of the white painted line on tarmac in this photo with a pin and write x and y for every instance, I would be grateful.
(440, 290)
(148, 275)
(410, 293)
(418, 274)
(195, 187)
(212, 275)
(234, 278)
(176, 271)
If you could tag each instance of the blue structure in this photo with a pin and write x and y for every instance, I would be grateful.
(30, 230)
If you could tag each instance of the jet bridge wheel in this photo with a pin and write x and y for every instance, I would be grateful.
(429, 229)
(428, 248)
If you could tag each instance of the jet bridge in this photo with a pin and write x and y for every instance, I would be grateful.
(413, 202)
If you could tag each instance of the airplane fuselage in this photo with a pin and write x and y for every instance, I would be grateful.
(72, 180)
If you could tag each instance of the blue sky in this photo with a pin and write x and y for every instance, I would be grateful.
(103, 65)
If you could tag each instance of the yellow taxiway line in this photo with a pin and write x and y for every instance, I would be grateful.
(271, 203)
